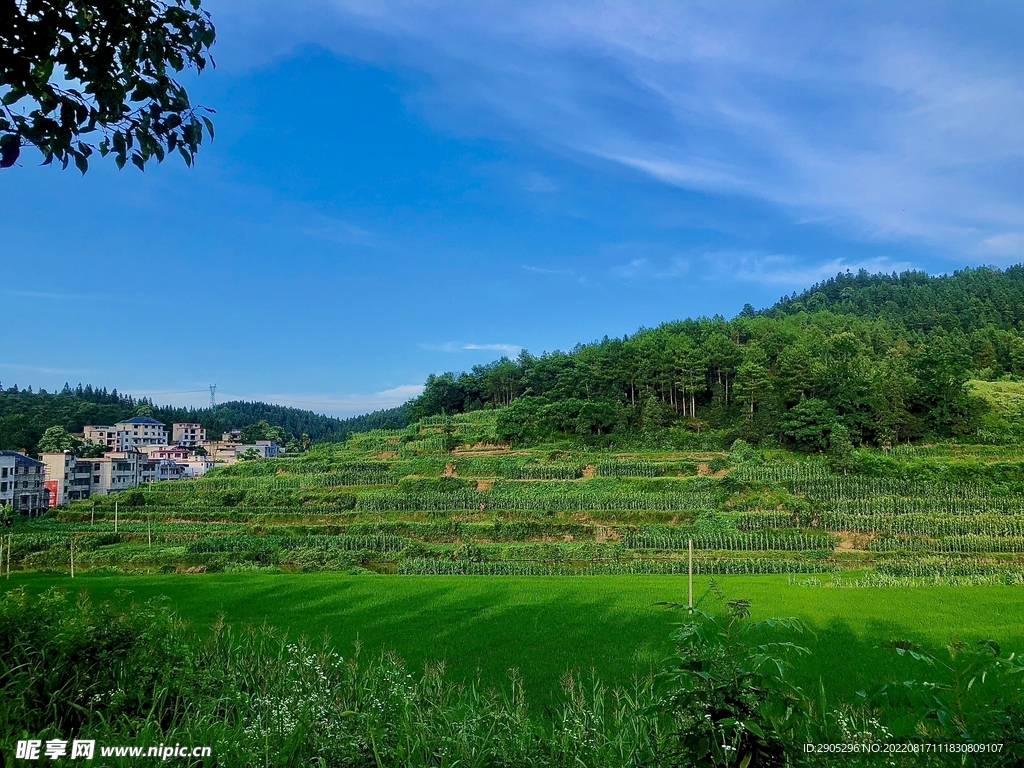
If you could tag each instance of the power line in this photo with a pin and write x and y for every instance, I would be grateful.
(152, 394)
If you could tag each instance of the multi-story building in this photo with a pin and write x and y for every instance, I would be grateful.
(128, 435)
(113, 438)
(68, 478)
(22, 483)
(172, 452)
(187, 433)
(143, 430)
(116, 471)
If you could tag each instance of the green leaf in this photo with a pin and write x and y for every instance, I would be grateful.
(753, 728)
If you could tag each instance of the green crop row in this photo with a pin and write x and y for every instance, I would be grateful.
(511, 500)
(761, 540)
(438, 567)
(926, 525)
(247, 543)
(938, 566)
(968, 543)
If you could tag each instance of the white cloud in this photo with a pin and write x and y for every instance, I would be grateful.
(536, 182)
(55, 296)
(789, 271)
(546, 271)
(891, 122)
(1006, 244)
(457, 346)
(44, 369)
(655, 269)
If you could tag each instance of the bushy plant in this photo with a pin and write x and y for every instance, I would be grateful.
(727, 693)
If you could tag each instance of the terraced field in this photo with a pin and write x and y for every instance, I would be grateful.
(444, 498)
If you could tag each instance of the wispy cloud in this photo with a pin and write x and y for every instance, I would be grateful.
(893, 123)
(537, 182)
(644, 268)
(789, 271)
(546, 271)
(45, 369)
(341, 232)
(53, 296)
(456, 346)
(1007, 244)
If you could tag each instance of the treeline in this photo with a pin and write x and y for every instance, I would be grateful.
(872, 359)
(25, 415)
(978, 302)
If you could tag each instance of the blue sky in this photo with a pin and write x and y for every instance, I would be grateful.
(401, 188)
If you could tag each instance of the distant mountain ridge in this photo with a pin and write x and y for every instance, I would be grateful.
(25, 415)
(967, 300)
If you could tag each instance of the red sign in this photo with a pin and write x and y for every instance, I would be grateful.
(52, 485)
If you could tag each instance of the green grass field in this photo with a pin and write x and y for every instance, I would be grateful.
(547, 625)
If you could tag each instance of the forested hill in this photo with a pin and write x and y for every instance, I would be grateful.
(970, 300)
(860, 358)
(25, 415)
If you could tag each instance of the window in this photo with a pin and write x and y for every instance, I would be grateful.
(3, 486)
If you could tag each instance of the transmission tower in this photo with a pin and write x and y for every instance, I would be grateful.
(213, 396)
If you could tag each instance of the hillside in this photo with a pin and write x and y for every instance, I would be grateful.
(858, 359)
(25, 415)
(971, 300)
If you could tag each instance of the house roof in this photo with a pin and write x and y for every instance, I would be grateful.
(21, 457)
(141, 420)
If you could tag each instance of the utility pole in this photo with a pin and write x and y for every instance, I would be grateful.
(10, 543)
(149, 530)
(115, 517)
(72, 557)
(92, 517)
(689, 546)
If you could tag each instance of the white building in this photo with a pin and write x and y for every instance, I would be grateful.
(113, 438)
(195, 466)
(143, 430)
(187, 433)
(22, 483)
(266, 449)
(128, 435)
(68, 478)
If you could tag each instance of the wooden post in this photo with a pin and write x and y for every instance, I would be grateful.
(689, 603)
(92, 517)
(115, 517)
(72, 557)
(10, 543)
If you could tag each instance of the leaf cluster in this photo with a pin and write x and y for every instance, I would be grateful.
(87, 75)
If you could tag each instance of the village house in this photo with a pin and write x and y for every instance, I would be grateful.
(22, 483)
